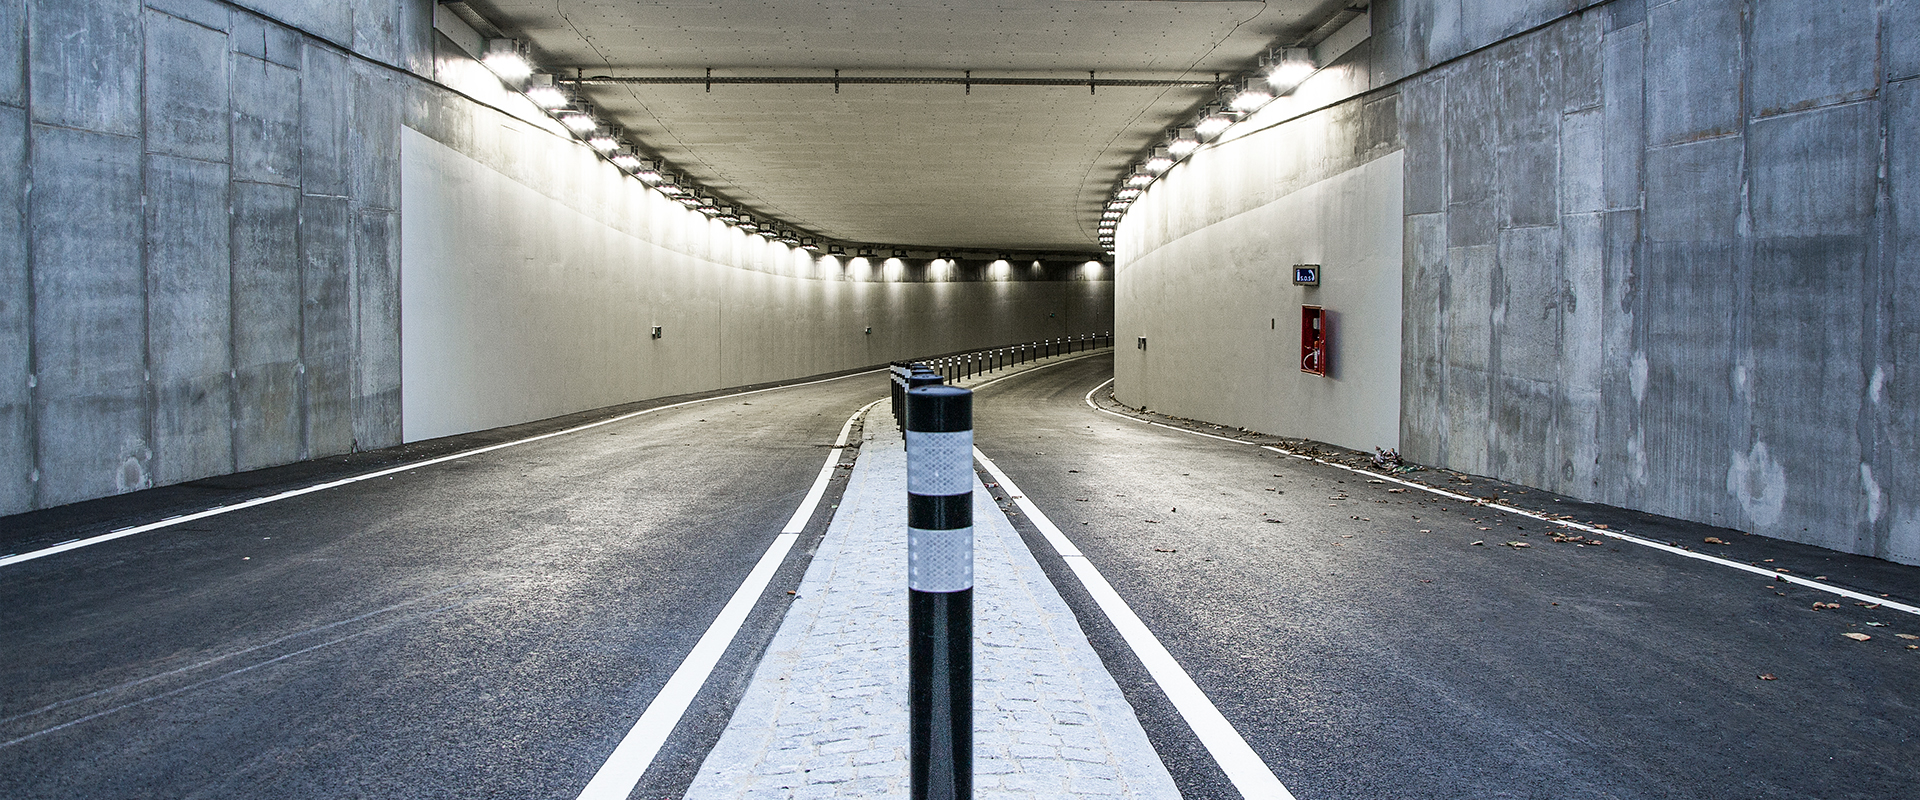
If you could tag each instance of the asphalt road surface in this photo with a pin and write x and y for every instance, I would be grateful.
(1366, 648)
(485, 627)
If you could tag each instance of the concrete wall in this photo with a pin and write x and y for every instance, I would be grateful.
(522, 305)
(1659, 254)
(184, 291)
(201, 250)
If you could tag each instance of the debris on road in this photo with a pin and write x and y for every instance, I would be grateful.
(1518, 545)
(1817, 605)
(1767, 676)
(1714, 540)
(1858, 637)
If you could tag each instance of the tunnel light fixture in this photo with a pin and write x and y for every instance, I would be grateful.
(1287, 68)
(789, 239)
(648, 171)
(689, 201)
(1110, 214)
(1140, 176)
(545, 93)
(1159, 160)
(1183, 142)
(578, 119)
(767, 232)
(747, 223)
(946, 255)
(603, 140)
(899, 253)
(727, 214)
(626, 160)
(704, 205)
(864, 252)
(1250, 95)
(669, 184)
(1127, 193)
(1118, 204)
(808, 244)
(507, 60)
(836, 250)
(1214, 119)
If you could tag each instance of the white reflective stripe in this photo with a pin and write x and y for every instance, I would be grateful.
(939, 561)
(939, 463)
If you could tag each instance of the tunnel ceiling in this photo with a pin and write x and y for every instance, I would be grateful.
(997, 167)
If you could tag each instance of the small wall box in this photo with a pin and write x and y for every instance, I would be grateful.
(1306, 274)
(1313, 340)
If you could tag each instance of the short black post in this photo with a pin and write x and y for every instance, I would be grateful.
(940, 592)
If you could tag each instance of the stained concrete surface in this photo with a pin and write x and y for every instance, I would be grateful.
(1367, 648)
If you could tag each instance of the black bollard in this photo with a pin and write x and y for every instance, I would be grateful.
(940, 592)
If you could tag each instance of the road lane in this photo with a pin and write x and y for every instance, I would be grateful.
(1362, 657)
(486, 627)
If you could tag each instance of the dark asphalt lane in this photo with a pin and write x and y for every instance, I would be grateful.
(487, 627)
(1366, 648)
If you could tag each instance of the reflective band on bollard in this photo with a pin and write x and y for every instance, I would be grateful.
(940, 591)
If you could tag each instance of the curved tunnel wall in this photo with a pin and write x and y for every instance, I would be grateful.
(1655, 254)
(241, 234)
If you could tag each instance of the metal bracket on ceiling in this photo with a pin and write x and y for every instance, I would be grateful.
(1090, 83)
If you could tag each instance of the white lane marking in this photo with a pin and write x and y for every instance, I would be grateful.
(819, 489)
(260, 501)
(1613, 534)
(1249, 774)
(636, 751)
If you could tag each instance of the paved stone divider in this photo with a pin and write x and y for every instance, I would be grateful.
(826, 713)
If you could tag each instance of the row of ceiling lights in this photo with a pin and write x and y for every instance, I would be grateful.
(507, 59)
(1279, 72)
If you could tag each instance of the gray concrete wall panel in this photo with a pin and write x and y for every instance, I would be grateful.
(16, 321)
(1625, 55)
(376, 250)
(1812, 53)
(266, 121)
(1693, 63)
(1902, 38)
(86, 64)
(326, 97)
(327, 322)
(266, 326)
(205, 13)
(1893, 385)
(185, 89)
(1693, 191)
(1817, 173)
(13, 53)
(90, 346)
(189, 290)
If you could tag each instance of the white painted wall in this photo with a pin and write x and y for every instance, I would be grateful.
(1205, 272)
(532, 295)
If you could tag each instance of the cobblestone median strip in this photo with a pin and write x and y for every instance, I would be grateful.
(826, 713)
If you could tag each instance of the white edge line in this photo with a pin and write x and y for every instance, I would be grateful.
(805, 512)
(1625, 537)
(635, 753)
(212, 512)
(1250, 775)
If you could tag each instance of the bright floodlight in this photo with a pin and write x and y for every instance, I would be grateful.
(1140, 178)
(1214, 120)
(1128, 193)
(505, 59)
(1289, 68)
(627, 161)
(542, 91)
(603, 141)
(1160, 161)
(580, 122)
(1251, 98)
(1184, 142)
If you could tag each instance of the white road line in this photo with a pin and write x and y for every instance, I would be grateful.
(630, 759)
(1612, 534)
(122, 533)
(1249, 774)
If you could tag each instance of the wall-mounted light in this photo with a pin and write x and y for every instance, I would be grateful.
(898, 253)
(1140, 176)
(1111, 215)
(625, 159)
(544, 93)
(865, 252)
(1287, 68)
(578, 118)
(946, 255)
(648, 171)
(1118, 204)
(705, 206)
(1183, 142)
(1214, 118)
(808, 244)
(727, 214)
(836, 250)
(1159, 160)
(1127, 192)
(669, 184)
(507, 60)
(748, 224)
(603, 140)
(1250, 95)
(788, 238)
